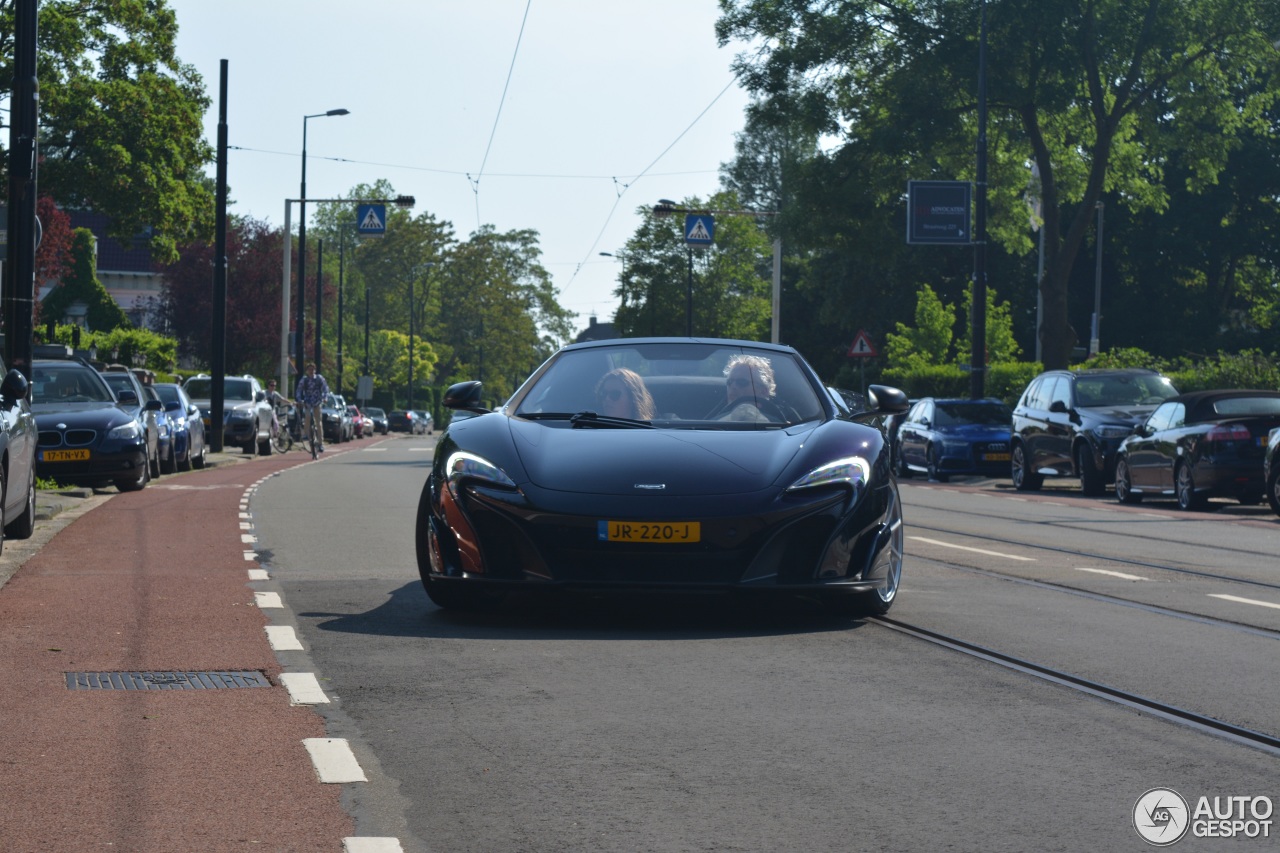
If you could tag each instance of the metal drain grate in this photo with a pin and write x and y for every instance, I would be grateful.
(164, 680)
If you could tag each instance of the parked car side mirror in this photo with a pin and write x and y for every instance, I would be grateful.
(128, 397)
(154, 406)
(1058, 407)
(14, 387)
(886, 400)
(259, 396)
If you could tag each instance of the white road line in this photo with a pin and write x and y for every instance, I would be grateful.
(1153, 515)
(1120, 575)
(251, 555)
(259, 575)
(248, 538)
(282, 638)
(974, 550)
(1239, 600)
(371, 844)
(421, 449)
(245, 515)
(334, 761)
(246, 525)
(377, 450)
(267, 599)
(303, 688)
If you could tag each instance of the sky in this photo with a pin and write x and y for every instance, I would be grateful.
(561, 116)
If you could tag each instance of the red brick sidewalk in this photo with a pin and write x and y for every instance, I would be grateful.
(154, 580)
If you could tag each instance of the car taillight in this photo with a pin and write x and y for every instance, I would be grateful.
(1229, 432)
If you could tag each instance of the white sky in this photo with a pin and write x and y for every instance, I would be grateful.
(599, 90)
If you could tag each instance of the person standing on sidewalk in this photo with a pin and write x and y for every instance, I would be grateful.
(311, 393)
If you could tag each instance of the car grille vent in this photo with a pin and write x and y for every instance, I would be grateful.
(80, 437)
(49, 438)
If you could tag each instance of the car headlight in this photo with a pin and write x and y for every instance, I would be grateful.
(852, 471)
(127, 431)
(1111, 431)
(467, 466)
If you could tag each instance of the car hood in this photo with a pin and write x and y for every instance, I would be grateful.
(227, 405)
(1131, 415)
(80, 415)
(659, 461)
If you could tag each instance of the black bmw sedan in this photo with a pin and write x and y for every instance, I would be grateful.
(666, 463)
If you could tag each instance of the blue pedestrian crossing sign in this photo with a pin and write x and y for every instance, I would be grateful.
(371, 220)
(699, 229)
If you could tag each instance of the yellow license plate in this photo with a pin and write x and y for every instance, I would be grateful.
(66, 455)
(671, 532)
(995, 457)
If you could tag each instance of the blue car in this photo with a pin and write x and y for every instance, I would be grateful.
(185, 426)
(942, 437)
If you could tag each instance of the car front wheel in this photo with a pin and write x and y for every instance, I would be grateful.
(1024, 479)
(1124, 489)
(1091, 479)
(1273, 490)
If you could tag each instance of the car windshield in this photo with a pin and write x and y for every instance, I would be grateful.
(677, 384)
(986, 414)
(375, 413)
(69, 384)
(1123, 390)
(201, 388)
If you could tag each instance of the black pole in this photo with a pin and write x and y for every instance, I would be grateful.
(218, 357)
(20, 271)
(688, 301)
(978, 350)
(300, 331)
(319, 298)
(410, 406)
(366, 327)
(342, 248)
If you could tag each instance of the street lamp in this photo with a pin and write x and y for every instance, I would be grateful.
(300, 333)
(419, 269)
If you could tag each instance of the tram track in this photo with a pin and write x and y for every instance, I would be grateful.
(1213, 726)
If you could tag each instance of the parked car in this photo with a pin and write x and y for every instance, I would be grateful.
(19, 438)
(720, 481)
(425, 422)
(190, 449)
(335, 420)
(1271, 470)
(954, 436)
(379, 418)
(361, 425)
(401, 421)
(1070, 423)
(87, 438)
(246, 414)
(1200, 445)
(150, 414)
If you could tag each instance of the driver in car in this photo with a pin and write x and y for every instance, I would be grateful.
(749, 390)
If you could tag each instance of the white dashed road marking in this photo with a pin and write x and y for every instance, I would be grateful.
(1120, 575)
(1239, 600)
(371, 844)
(282, 638)
(334, 761)
(267, 599)
(304, 688)
(974, 550)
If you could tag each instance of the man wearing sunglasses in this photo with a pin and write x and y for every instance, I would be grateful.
(749, 390)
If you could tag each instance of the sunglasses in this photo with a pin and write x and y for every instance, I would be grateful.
(740, 383)
(613, 395)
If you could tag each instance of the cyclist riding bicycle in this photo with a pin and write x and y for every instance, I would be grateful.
(311, 393)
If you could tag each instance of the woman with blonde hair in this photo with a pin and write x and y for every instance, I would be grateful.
(621, 393)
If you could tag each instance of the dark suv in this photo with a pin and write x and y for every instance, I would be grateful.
(1069, 423)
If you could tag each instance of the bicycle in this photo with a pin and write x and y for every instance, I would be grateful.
(281, 440)
(313, 439)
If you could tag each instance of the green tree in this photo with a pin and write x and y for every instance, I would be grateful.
(926, 343)
(121, 117)
(1095, 94)
(81, 285)
(1001, 346)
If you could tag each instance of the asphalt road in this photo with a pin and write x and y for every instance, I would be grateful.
(674, 724)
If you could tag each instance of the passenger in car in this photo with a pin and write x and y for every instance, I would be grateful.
(621, 394)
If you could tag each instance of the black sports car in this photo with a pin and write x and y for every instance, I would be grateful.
(673, 463)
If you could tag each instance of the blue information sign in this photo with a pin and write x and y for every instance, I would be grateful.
(699, 229)
(371, 220)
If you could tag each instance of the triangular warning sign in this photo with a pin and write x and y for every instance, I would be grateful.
(371, 222)
(698, 233)
(861, 345)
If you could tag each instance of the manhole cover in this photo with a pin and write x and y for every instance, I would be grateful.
(164, 680)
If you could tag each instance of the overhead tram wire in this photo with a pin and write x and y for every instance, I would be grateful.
(643, 172)
(475, 183)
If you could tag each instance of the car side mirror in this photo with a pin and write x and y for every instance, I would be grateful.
(1058, 407)
(465, 395)
(259, 396)
(924, 422)
(15, 387)
(1143, 430)
(887, 400)
(128, 397)
(193, 411)
(154, 406)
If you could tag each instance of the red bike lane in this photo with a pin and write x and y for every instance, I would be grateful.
(155, 581)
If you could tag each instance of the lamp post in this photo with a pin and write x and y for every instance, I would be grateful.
(300, 332)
